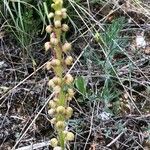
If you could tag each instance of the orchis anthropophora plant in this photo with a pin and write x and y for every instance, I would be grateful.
(61, 82)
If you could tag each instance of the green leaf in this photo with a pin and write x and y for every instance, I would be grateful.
(80, 83)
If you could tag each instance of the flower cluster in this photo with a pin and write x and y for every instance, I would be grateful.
(61, 83)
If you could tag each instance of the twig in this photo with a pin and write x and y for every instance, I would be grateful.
(20, 83)
(34, 146)
(92, 117)
(114, 140)
(33, 121)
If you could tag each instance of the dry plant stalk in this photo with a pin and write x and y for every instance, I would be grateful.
(61, 82)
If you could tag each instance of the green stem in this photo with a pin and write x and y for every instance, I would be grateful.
(59, 72)
(61, 96)
(61, 139)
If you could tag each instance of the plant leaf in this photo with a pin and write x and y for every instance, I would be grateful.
(80, 83)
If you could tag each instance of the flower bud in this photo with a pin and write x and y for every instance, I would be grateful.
(53, 5)
(69, 136)
(69, 112)
(52, 35)
(51, 112)
(55, 99)
(69, 98)
(63, 10)
(57, 80)
(51, 83)
(54, 41)
(47, 46)
(55, 62)
(52, 104)
(53, 142)
(48, 65)
(58, 13)
(69, 60)
(60, 125)
(57, 89)
(64, 13)
(65, 27)
(60, 110)
(53, 121)
(49, 29)
(70, 92)
(57, 148)
(65, 132)
(57, 24)
(66, 47)
(68, 79)
(51, 15)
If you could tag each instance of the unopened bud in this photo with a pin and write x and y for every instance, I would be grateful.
(52, 35)
(53, 121)
(57, 24)
(51, 112)
(55, 62)
(52, 104)
(49, 29)
(60, 110)
(69, 112)
(47, 46)
(57, 148)
(70, 92)
(66, 47)
(57, 80)
(54, 41)
(69, 136)
(69, 98)
(63, 10)
(48, 65)
(51, 15)
(60, 125)
(69, 60)
(65, 27)
(53, 142)
(51, 83)
(57, 89)
(65, 132)
(58, 13)
(64, 15)
(53, 5)
(55, 99)
(68, 79)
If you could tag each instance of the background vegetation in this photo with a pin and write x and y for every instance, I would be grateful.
(111, 48)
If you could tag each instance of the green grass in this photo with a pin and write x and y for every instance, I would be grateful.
(25, 20)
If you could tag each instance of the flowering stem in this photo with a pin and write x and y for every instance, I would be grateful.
(59, 109)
